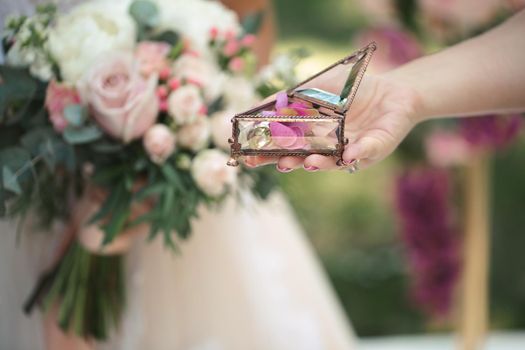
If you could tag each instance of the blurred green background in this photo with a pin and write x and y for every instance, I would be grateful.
(350, 219)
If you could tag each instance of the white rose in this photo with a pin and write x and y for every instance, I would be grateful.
(211, 174)
(185, 103)
(159, 143)
(196, 69)
(239, 93)
(195, 136)
(194, 20)
(89, 31)
(221, 128)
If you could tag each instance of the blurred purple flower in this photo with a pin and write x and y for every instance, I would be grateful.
(429, 235)
(395, 47)
(491, 132)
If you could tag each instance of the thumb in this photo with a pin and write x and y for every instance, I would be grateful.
(364, 148)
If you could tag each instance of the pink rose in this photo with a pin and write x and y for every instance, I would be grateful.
(152, 57)
(185, 103)
(396, 47)
(123, 102)
(159, 143)
(58, 97)
(195, 69)
(195, 136)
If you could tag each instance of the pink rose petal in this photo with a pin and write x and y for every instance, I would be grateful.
(281, 100)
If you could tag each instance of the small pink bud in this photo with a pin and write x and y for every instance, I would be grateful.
(163, 105)
(174, 83)
(236, 64)
(162, 91)
(203, 110)
(164, 73)
(231, 48)
(248, 40)
(214, 32)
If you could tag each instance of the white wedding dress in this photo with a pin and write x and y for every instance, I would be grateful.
(246, 279)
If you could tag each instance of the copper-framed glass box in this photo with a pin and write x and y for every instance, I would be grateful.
(310, 120)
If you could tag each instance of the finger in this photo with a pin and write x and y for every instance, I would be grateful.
(317, 162)
(287, 164)
(366, 148)
(257, 161)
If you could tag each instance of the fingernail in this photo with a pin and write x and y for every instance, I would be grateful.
(283, 170)
(311, 168)
(348, 162)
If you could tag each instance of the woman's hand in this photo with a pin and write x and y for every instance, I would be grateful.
(382, 114)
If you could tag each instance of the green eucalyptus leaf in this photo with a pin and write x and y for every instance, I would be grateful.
(82, 135)
(34, 139)
(14, 157)
(10, 181)
(167, 36)
(145, 13)
(75, 114)
(252, 22)
(17, 84)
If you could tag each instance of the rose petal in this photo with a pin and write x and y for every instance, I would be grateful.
(281, 100)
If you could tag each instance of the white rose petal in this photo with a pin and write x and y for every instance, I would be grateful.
(239, 93)
(221, 128)
(89, 31)
(195, 136)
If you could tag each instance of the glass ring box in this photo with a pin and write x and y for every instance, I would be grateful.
(306, 119)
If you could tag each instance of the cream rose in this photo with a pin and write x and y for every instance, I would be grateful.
(195, 69)
(239, 93)
(211, 174)
(185, 103)
(221, 128)
(89, 31)
(122, 102)
(195, 136)
(159, 142)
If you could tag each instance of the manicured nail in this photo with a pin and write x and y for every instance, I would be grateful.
(311, 168)
(284, 170)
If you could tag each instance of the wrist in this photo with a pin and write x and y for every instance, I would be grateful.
(416, 106)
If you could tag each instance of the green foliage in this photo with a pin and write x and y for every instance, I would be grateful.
(145, 13)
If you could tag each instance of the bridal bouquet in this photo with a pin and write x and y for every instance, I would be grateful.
(114, 118)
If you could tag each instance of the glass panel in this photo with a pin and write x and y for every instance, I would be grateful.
(289, 134)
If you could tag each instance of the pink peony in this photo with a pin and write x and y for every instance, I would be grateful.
(58, 97)
(396, 47)
(152, 57)
(159, 142)
(123, 103)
